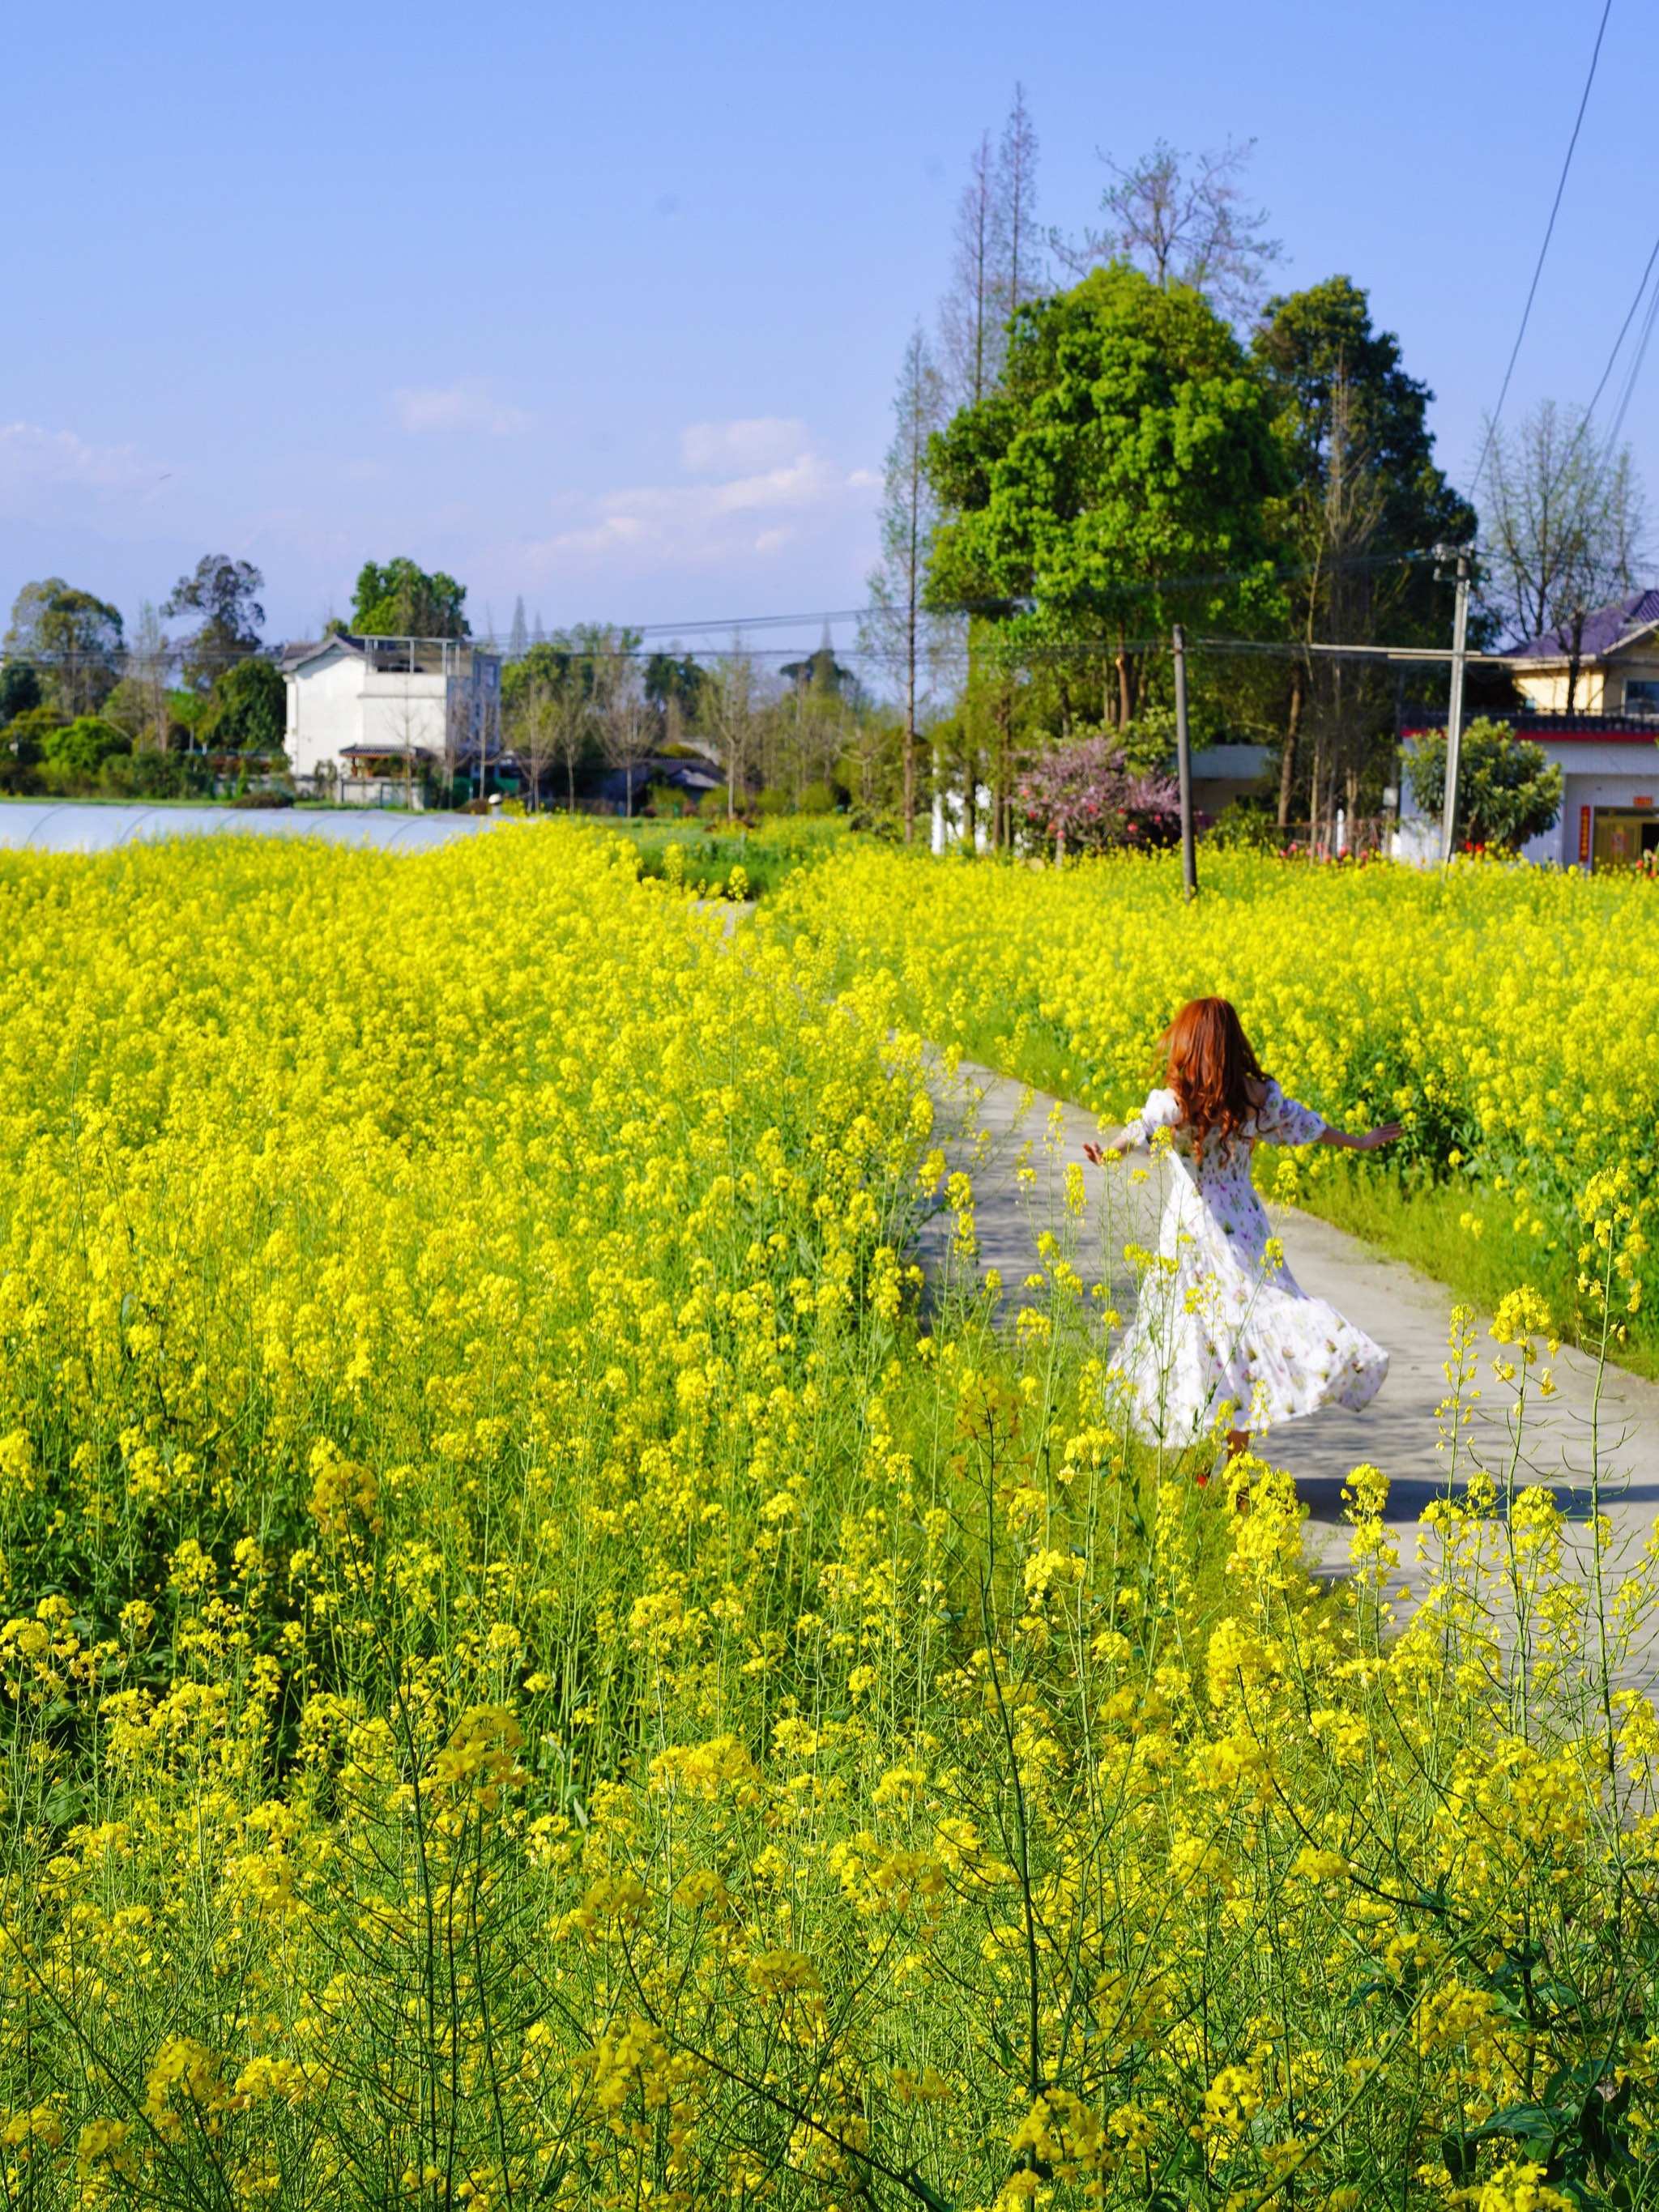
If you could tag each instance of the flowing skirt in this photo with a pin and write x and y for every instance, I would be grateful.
(1224, 1336)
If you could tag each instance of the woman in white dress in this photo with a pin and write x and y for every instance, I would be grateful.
(1222, 1332)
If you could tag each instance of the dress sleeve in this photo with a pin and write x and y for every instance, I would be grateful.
(1282, 1120)
(1161, 1111)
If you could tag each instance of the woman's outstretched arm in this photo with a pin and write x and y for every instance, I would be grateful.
(1125, 1141)
(1368, 1140)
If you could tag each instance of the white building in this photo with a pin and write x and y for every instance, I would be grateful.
(1606, 746)
(378, 720)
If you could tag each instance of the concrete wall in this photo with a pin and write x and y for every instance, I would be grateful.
(399, 711)
(1601, 686)
(1548, 691)
(324, 710)
(1594, 791)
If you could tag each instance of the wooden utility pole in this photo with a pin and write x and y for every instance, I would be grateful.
(1184, 769)
(1455, 704)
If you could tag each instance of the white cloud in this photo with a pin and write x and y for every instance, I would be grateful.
(779, 492)
(468, 404)
(31, 456)
(763, 442)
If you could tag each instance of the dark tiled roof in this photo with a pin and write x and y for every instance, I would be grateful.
(294, 656)
(1604, 630)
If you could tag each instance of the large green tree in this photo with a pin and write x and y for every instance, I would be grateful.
(250, 709)
(673, 691)
(1115, 479)
(70, 637)
(397, 598)
(1364, 502)
(225, 593)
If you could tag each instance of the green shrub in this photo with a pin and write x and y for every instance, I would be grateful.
(1507, 789)
(81, 747)
(1248, 826)
(250, 709)
(28, 731)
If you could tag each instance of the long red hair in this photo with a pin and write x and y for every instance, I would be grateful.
(1209, 1062)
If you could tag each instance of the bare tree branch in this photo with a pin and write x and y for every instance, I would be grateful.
(1184, 219)
(1563, 528)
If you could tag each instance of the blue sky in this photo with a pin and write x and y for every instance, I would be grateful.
(603, 307)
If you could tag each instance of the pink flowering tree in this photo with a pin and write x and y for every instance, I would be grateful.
(1086, 799)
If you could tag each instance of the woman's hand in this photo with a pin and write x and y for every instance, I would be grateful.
(1373, 1139)
(1104, 1155)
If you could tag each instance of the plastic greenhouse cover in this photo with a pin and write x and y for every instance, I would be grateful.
(51, 826)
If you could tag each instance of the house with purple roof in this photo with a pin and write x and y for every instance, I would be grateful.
(1592, 702)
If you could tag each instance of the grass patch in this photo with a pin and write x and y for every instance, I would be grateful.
(1427, 1228)
(708, 853)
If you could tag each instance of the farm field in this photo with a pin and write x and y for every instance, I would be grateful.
(1509, 1016)
(536, 1670)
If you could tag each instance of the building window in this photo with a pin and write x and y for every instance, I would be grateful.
(1642, 695)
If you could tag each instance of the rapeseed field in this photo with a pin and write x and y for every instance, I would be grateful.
(538, 1670)
(1509, 1016)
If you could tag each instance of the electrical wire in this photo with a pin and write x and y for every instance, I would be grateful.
(1635, 370)
(1623, 328)
(1538, 271)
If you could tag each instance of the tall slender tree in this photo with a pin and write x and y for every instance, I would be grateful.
(895, 628)
(1018, 240)
(997, 260)
(622, 715)
(731, 711)
(966, 313)
(147, 671)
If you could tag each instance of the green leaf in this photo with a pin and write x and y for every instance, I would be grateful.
(929, 2196)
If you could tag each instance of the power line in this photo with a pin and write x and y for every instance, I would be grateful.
(1623, 328)
(1635, 370)
(744, 625)
(1549, 232)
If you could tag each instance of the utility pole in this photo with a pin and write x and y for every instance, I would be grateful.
(1460, 554)
(1184, 769)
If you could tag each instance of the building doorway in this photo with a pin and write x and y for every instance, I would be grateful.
(1625, 838)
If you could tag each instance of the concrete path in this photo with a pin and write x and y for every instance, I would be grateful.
(1406, 1312)
(50, 826)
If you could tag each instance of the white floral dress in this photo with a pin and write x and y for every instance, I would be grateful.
(1223, 1335)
